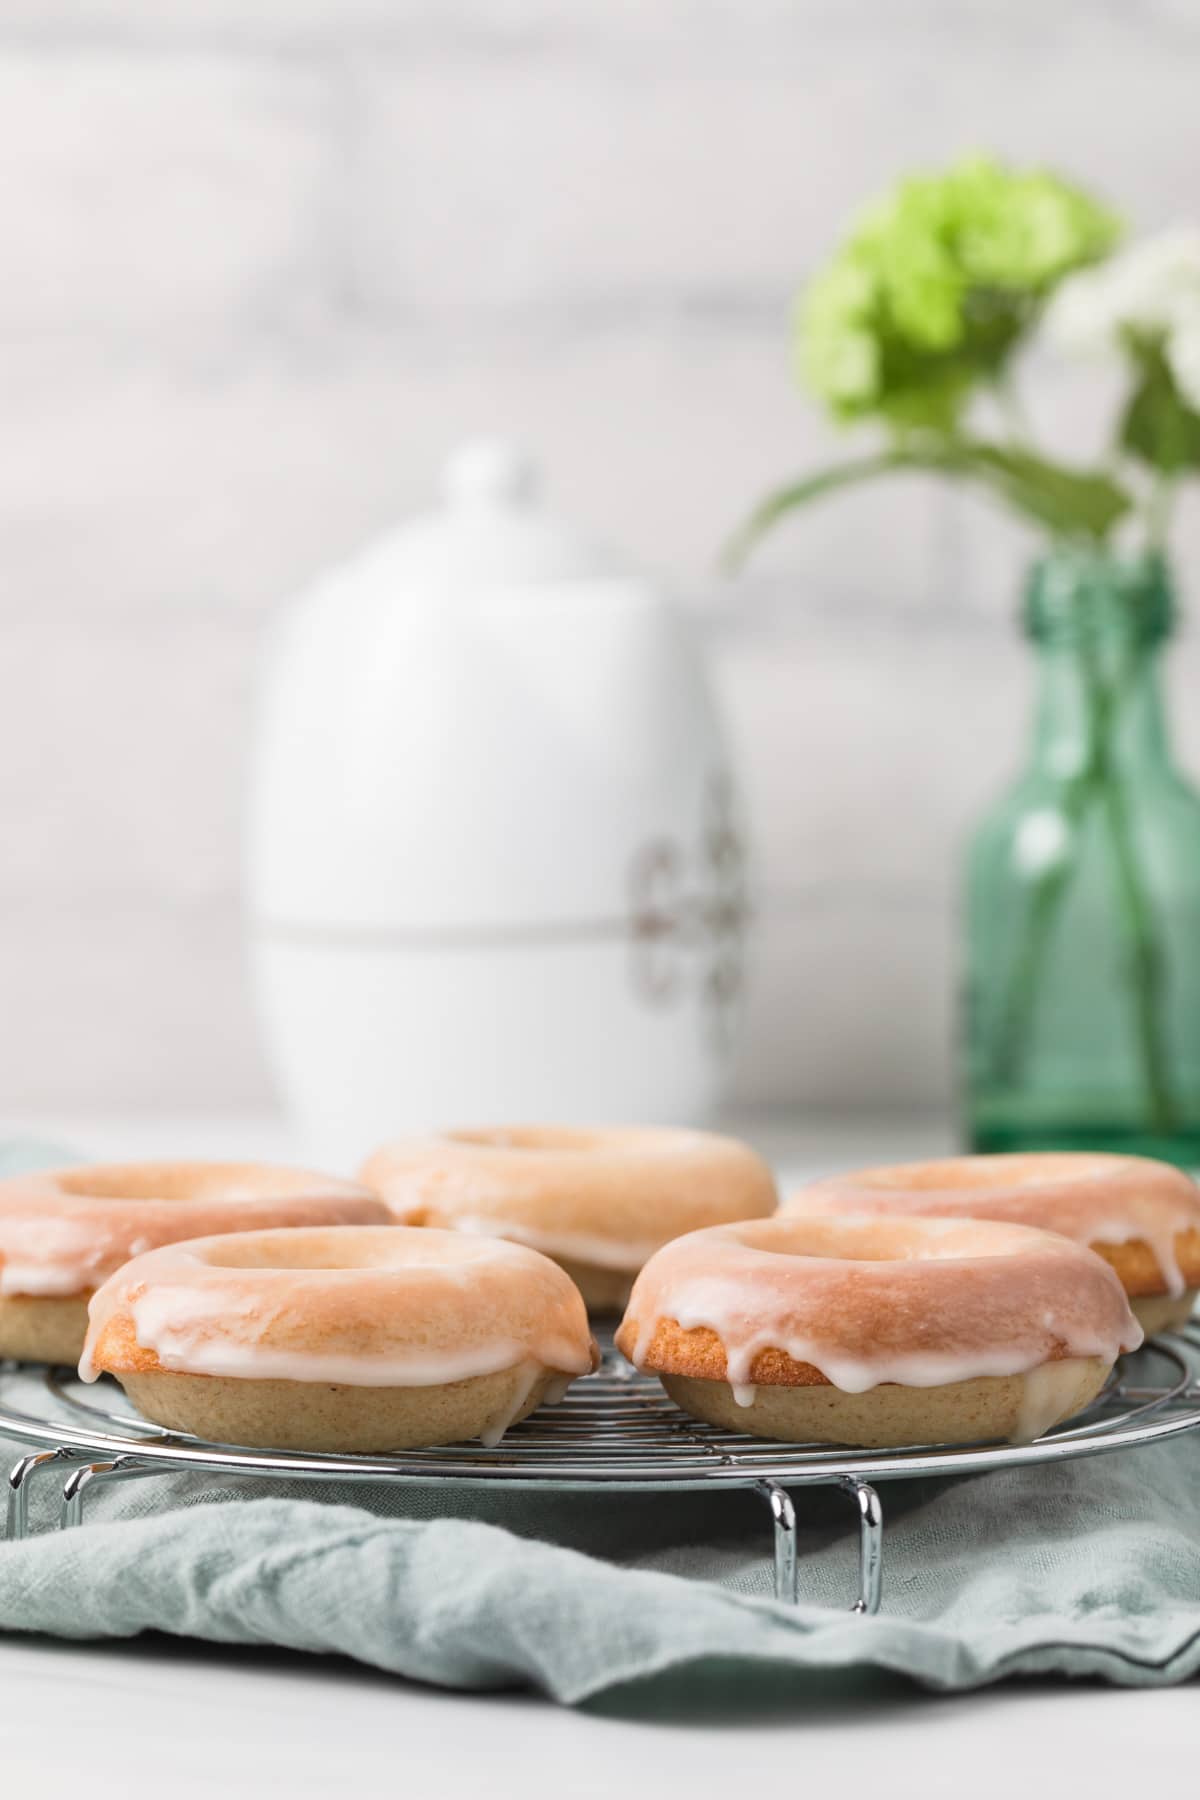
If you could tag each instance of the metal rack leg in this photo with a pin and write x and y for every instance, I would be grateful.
(870, 1543)
(784, 1515)
(16, 1524)
(79, 1480)
(870, 1546)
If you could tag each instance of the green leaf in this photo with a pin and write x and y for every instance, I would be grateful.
(937, 284)
(1159, 427)
(1068, 502)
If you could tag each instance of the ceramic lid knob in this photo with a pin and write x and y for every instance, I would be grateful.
(490, 472)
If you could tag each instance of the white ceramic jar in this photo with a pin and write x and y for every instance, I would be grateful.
(495, 864)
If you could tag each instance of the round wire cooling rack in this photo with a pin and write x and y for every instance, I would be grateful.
(614, 1430)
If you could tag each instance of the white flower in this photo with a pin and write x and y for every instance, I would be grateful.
(1152, 290)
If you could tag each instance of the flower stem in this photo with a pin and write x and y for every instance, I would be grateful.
(1146, 958)
(1098, 783)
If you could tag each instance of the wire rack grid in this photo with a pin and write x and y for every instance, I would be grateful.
(614, 1430)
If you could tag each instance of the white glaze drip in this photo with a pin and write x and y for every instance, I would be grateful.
(1050, 1394)
(50, 1255)
(1159, 1232)
(495, 1428)
(856, 1374)
(176, 1324)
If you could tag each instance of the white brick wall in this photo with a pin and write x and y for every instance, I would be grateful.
(161, 189)
(265, 260)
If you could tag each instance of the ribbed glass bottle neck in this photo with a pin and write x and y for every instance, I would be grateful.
(1099, 622)
(1081, 597)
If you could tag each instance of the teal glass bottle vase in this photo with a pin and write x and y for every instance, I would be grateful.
(1083, 890)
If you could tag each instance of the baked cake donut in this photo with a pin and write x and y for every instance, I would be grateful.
(63, 1231)
(354, 1338)
(878, 1331)
(1141, 1216)
(600, 1202)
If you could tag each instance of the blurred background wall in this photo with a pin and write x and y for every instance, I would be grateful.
(265, 261)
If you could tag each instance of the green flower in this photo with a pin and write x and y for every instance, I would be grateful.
(935, 286)
(925, 303)
(838, 345)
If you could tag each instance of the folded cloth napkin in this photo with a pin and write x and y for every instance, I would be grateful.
(1092, 1568)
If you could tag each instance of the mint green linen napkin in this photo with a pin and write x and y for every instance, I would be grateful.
(1088, 1570)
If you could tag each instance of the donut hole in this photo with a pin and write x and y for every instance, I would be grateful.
(194, 1181)
(974, 1174)
(351, 1247)
(551, 1139)
(874, 1239)
(144, 1181)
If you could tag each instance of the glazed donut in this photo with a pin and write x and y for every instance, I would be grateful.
(599, 1202)
(1141, 1216)
(878, 1331)
(62, 1231)
(354, 1338)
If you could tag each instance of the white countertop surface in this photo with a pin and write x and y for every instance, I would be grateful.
(168, 1722)
(159, 1717)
